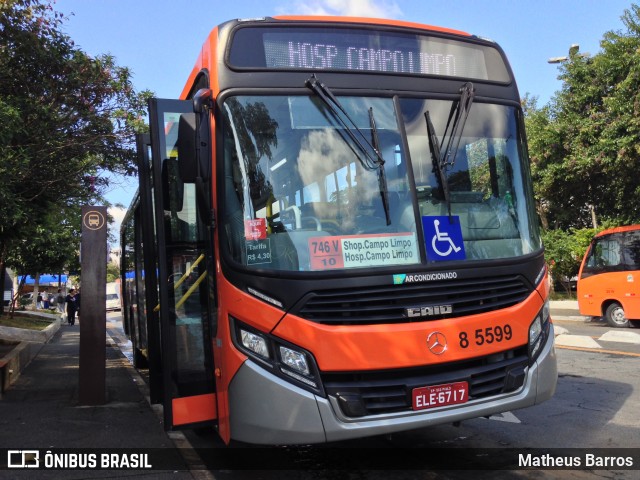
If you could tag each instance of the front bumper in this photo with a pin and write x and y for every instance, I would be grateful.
(292, 415)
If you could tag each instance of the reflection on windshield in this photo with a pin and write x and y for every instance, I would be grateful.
(296, 197)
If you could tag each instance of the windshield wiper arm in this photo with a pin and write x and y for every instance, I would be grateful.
(382, 176)
(436, 159)
(459, 113)
(442, 161)
(367, 161)
(336, 108)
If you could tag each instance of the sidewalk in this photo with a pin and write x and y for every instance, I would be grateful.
(41, 411)
(566, 310)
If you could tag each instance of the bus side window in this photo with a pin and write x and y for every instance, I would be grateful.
(591, 259)
(632, 250)
(605, 255)
(611, 252)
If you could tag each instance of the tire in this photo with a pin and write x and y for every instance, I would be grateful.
(615, 316)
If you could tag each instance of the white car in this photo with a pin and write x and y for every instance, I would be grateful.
(113, 301)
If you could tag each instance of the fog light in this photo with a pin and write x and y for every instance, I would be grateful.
(296, 361)
(255, 343)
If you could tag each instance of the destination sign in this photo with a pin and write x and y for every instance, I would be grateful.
(316, 48)
(353, 251)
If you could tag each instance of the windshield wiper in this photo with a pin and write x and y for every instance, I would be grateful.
(382, 176)
(444, 161)
(459, 113)
(367, 160)
(436, 158)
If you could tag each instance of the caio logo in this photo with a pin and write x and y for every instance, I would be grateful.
(428, 311)
(23, 459)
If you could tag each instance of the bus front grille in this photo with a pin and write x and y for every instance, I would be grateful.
(372, 393)
(389, 303)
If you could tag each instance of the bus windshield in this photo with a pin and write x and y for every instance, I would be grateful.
(298, 197)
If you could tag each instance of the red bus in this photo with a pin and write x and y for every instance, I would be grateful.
(335, 236)
(606, 281)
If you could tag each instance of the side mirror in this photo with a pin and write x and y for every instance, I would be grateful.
(188, 167)
(193, 139)
(202, 100)
(202, 106)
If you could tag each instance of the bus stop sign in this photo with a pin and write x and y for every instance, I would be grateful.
(93, 262)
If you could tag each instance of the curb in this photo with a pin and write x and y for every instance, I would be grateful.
(12, 364)
(565, 312)
(27, 335)
(27, 345)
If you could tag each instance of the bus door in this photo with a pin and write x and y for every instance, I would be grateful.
(183, 253)
(146, 268)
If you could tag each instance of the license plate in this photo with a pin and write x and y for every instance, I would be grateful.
(440, 395)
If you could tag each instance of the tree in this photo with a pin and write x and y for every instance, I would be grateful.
(66, 117)
(564, 251)
(585, 145)
(113, 272)
(51, 245)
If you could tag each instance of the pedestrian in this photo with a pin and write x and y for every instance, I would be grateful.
(45, 300)
(39, 301)
(77, 297)
(60, 301)
(71, 307)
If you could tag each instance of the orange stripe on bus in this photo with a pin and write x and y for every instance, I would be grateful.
(198, 408)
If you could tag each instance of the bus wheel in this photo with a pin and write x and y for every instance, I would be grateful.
(615, 316)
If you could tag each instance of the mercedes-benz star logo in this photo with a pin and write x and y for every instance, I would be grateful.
(437, 343)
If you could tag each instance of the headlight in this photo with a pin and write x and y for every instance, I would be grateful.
(255, 343)
(279, 357)
(295, 360)
(538, 331)
(535, 329)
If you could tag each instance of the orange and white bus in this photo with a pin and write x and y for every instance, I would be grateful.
(609, 277)
(335, 236)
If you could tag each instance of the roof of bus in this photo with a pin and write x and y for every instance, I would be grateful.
(371, 21)
(626, 228)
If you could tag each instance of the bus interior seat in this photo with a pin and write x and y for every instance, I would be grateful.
(284, 255)
(326, 213)
(372, 218)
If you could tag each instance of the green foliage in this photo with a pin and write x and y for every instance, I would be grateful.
(565, 250)
(585, 145)
(51, 244)
(113, 272)
(66, 118)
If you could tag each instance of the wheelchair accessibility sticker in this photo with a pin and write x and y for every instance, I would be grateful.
(443, 238)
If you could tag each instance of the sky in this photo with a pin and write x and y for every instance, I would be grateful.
(159, 40)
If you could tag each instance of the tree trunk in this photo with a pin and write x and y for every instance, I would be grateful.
(36, 289)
